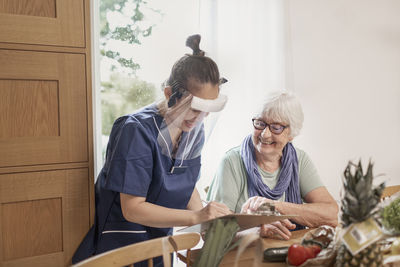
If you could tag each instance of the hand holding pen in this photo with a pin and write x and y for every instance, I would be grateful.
(211, 211)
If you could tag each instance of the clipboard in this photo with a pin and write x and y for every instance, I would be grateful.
(245, 221)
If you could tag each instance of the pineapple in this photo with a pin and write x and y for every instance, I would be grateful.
(359, 203)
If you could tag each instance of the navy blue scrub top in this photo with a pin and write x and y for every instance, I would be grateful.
(135, 165)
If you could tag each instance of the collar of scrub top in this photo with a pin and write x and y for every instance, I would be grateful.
(175, 169)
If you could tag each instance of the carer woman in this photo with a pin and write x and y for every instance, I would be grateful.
(147, 184)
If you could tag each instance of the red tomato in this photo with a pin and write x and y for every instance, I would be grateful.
(309, 252)
(316, 250)
(297, 254)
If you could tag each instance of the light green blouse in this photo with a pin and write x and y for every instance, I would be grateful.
(230, 182)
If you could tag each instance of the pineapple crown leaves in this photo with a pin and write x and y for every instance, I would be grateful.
(361, 197)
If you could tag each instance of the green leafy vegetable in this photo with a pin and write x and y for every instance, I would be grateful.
(217, 242)
(391, 216)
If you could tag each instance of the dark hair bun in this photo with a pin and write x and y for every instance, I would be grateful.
(193, 42)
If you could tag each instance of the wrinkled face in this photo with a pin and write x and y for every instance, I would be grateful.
(268, 144)
(187, 118)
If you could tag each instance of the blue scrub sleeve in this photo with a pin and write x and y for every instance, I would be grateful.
(131, 162)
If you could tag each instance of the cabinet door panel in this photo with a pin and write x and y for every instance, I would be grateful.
(47, 22)
(43, 216)
(43, 113)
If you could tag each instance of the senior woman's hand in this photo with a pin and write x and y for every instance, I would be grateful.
(253, 203)
(278, 230)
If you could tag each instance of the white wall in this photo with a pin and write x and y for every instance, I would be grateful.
(246, 39)
(345, 60)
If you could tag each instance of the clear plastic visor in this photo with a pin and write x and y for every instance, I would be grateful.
(181, 133)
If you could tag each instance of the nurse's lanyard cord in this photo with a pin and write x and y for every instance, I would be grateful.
(175, 169)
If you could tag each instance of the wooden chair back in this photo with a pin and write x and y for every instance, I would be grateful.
(146, 250)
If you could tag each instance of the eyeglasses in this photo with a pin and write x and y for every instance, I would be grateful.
(275, 128)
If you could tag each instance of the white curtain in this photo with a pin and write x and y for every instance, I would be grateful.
(248, 40)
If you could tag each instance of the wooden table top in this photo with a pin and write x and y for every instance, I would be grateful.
(247, 257)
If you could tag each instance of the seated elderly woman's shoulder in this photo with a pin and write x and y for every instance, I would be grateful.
(233, 152)
(301, 153)
(303, 157)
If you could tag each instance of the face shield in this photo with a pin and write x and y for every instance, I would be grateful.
(181, 134)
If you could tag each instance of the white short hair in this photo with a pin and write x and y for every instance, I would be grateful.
(284, 107)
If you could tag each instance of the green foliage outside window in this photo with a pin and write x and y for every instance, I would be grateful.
(136, 27)
(123, 95)
(124, 92)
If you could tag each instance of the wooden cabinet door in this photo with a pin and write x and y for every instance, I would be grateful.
(44, 216)
(46, 150)
(43, 110)
(46, 22)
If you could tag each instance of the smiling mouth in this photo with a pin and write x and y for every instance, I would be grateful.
(266, 142)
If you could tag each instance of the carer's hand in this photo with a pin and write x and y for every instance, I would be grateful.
(211, 211)
(253, 203)
(278, 229)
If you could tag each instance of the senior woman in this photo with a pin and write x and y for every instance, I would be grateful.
(266, 167)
